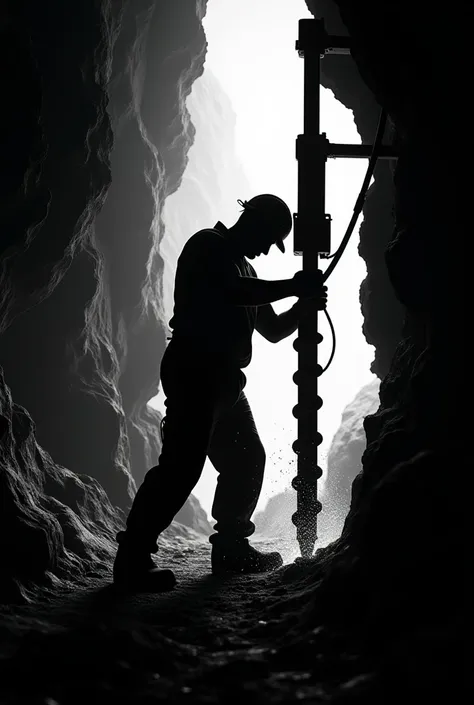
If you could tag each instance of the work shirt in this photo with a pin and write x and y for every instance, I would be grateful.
(204, 318)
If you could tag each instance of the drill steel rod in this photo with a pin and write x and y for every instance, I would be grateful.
(311, 203)
(312, 239)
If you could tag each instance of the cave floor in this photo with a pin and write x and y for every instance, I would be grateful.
(210, 640)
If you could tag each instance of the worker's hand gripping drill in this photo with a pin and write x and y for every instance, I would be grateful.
(309, 286)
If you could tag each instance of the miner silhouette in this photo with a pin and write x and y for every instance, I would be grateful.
(219, 302)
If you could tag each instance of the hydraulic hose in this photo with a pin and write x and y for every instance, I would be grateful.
(336, 256)
(361, 197)
(333, 333)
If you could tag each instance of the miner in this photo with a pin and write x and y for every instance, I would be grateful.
(218, 303)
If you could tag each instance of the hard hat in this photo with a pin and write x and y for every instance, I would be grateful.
(274, 212)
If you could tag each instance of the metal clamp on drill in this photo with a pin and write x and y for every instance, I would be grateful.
(321, 232)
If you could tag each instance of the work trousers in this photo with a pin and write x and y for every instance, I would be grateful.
(207, 414)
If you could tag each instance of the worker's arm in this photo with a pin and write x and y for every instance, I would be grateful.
(249, 291)
(275, 327)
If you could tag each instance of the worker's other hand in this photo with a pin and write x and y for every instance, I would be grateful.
(322, 298)
(309, 285)
(305, 307)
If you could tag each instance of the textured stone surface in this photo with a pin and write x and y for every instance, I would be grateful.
(345, 457)
(157, 56)
(80, 306)
(98, 339)
(194, 516)
(275, 519)
(383, 314)
(53, 522)
(388, 555)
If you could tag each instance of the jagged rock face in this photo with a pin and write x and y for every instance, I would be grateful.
(275, 519)
(83, 357)
(57, 167)
(383, 313)
(345, 457)
(54, 524)
(387, 557)
(193, 516)
(90, 352)
(152, 135)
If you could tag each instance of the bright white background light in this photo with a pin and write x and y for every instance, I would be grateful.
(251, 53)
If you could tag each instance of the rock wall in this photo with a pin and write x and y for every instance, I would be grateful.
(193, 516)
(388, 556)
(55, 524)
(96, 139)
(152, 135)
(383, 313)
(275, 519)
(345, 458)
(91, 351)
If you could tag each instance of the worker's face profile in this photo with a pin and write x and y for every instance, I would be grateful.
(258, 240)
(257, 243)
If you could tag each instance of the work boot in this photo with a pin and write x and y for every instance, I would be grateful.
(135, 570)
(240, 557)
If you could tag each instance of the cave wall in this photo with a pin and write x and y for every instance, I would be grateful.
(152, 135)
(344, 459)
(109, 145)
(96, 137)
(383, 313)
(406, 84)
(55, 525)
(387, 558)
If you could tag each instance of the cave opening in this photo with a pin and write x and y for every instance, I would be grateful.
(247, 109)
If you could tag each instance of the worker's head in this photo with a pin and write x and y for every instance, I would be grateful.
(265, 221)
